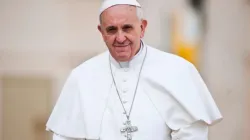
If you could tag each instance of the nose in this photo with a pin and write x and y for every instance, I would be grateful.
(120, 37)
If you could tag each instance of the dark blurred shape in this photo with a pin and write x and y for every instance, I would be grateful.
(197, 4)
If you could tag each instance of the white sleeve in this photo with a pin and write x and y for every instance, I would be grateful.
(195, 131)
(58, 137)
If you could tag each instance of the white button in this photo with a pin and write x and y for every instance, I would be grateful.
(126, 69)
(124, 102)
(125, 90)
(124, 80)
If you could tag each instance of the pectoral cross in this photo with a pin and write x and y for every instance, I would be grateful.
(128, 129)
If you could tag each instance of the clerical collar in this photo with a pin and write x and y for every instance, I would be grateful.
(137, 59)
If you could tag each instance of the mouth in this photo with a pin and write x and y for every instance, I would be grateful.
(122, 48)
(121, 45)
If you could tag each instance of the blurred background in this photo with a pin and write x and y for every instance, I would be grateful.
(42, 40)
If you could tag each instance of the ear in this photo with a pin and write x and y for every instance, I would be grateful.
(144, 24)
(99, 28)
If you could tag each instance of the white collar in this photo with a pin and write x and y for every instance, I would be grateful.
(137, 59)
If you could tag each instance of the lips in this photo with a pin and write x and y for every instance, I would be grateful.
(122, 45)
(123, 48)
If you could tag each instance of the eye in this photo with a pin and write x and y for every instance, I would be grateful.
(127, 28)
(111, 29)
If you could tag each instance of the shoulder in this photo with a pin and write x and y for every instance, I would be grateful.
(169, 60)
(163, 65)
(91, 65)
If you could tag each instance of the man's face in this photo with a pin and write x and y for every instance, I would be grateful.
(122, 31)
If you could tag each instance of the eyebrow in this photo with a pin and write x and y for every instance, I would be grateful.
(127, 26)
(111, 28)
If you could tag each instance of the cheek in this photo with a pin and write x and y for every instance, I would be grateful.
(134, 36)
(109, 39)
(134, 49)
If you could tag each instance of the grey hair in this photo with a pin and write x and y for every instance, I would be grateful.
(139, 13)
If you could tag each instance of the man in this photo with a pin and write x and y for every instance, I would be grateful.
(132, 91)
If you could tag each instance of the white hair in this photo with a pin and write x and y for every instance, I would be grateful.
(139, 14)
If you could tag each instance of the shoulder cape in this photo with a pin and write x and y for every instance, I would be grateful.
(173, 84)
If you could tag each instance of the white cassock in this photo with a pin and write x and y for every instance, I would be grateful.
(172, 101)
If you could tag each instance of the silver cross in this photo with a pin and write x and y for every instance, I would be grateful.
(128, 129)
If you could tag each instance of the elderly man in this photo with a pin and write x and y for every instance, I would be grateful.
(132, 91)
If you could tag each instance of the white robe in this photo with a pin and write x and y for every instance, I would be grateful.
(172, 101)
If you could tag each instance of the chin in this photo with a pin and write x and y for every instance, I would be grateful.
(123, 58)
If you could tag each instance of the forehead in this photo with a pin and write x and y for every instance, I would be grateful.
(119, 14)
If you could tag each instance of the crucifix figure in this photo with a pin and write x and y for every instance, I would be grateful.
(128, 129)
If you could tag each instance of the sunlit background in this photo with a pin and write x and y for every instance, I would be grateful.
(42, 40)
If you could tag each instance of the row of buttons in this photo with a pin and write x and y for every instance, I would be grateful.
(125, 89)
